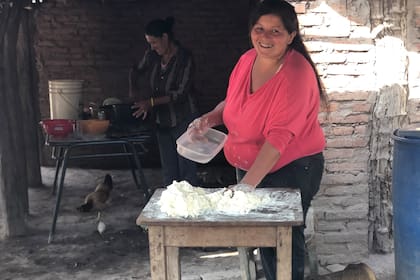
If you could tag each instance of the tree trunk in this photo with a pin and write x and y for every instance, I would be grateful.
(28, 94)
(18, 137)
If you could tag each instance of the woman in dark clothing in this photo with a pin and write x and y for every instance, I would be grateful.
(171, 68)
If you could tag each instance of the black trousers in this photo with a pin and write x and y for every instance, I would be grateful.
(174, 166)
(305, 174)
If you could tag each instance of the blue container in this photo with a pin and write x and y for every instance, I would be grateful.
(406, 203)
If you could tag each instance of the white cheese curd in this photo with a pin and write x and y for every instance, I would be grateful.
(180, 199)
(239, 203)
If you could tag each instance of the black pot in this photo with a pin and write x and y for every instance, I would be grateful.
(119, 113)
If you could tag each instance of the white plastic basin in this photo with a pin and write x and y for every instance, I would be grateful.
(202, 150)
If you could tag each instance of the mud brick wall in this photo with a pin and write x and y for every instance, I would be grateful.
(367, 53)
(97, 41)
(413, 47)
(364, 52)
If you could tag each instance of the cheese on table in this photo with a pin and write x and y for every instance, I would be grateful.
(180, 199)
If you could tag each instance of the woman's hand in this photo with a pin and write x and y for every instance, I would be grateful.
(142, 107)
(230, 190)
(197, 128)
(201, 125)
(246, 188)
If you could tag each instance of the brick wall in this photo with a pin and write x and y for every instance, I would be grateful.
(98, 41)
(344, 54)
(367, 54)
(361, 48)
(413, 47)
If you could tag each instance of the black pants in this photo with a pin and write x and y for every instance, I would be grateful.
(305, 174)
(174, 166)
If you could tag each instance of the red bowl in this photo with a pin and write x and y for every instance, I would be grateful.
(58, 127)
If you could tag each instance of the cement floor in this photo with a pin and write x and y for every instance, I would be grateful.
(121, 252)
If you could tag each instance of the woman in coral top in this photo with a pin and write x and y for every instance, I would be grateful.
(271, 113)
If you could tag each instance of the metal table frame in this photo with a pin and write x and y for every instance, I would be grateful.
(62, 152)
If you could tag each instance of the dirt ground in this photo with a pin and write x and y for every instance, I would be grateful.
(121, 252)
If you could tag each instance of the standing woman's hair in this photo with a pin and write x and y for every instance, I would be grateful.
(157, 27)
(287, 14)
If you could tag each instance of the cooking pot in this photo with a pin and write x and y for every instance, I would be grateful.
(119, 113)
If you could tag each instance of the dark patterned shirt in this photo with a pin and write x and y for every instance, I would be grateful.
(174, 80)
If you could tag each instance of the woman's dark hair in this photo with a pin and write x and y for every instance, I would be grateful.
(286, 12)
(158, 27)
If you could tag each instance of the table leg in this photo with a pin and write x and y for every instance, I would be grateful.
(58, 197)
(139, 170)
(157, 250)
(284, 253)
(58, 161)
(132, 166)
(173, 265)
(247, 263)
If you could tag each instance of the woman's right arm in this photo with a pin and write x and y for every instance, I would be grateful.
(213, 118)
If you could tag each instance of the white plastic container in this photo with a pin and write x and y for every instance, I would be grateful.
(202, 150)
(65, 96)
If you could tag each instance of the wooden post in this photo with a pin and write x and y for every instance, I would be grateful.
(14, 175)
(29, 99)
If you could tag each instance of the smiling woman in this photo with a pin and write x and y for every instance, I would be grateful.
(271, 113)
(271, 40)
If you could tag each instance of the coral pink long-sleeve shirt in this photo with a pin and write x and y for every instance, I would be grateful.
(284, 112)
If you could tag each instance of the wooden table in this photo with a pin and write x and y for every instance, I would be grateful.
(268, 226)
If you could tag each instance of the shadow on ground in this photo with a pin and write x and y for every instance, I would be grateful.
(79, 251)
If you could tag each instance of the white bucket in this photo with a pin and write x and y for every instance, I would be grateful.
(65, 97)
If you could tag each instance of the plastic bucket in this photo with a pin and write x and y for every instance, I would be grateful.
(65, 97)
(406, 203)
